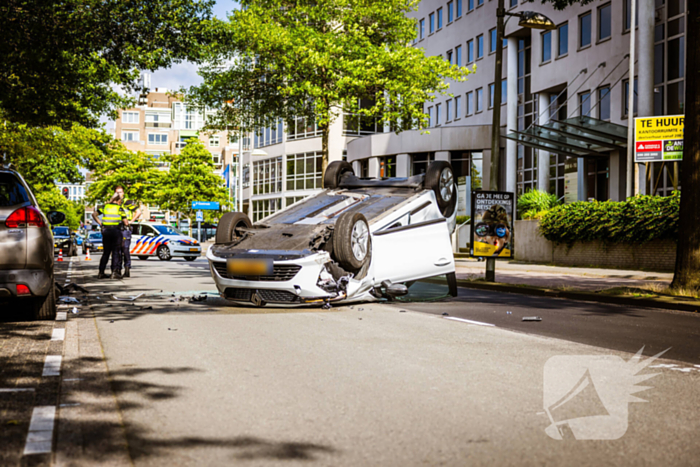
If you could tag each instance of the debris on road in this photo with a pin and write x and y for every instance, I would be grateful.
(75, 311)
(326, 306)
(127, 299)
(199, 298)
(509, 312)
(402, 311)
(445, 314)
(146, 308)
(70, 288)
(172, 329)
(64, 299)
(532, 318)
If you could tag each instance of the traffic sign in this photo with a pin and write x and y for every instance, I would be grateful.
(200, 216)
(207, 205)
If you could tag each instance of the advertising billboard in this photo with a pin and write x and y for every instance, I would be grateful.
(492, 224)
(658, 139)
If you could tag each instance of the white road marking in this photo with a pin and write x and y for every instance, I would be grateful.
(52, 365)
(40, 430)
(58, 334)
(61, 316)
(16, 389)
(478, 323)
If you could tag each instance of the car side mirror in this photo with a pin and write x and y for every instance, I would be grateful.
(55, 217)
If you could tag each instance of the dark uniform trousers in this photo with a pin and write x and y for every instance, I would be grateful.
(112, 243)
(126, 248)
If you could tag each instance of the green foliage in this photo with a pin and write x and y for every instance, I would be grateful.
(463, 219)
(191, 178)
(635, 221)
(50, 199)
(532, 204)
(281, 59)
(136, 172)
(63, 61)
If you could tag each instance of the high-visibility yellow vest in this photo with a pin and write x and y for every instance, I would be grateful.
(111, 215)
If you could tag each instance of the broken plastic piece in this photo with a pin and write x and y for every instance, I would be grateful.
(445, 314)
(532, 318)
(127, 299)
(74, 311)
(326, 306)
(67, 300)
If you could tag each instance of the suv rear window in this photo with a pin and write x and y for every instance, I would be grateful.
(12, 192)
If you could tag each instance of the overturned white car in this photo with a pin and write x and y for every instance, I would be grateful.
(358, 240)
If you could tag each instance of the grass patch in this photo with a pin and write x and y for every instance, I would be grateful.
(654, 290)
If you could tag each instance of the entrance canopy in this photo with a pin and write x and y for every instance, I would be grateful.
(574, 137)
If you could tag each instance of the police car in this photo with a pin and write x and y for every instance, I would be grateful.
(163, 241)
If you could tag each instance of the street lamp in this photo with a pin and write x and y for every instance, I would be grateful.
(528, 19)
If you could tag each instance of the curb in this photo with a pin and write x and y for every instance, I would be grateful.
(693, 307)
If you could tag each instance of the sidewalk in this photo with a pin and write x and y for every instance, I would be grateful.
(558, 277)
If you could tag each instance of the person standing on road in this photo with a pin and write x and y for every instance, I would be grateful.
(132, 207)
(112, 215)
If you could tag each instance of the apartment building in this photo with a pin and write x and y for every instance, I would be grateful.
(580, 69)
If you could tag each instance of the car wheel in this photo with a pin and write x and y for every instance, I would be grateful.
(440, 178)
(352, 244)
(226, 231)
(452, 283)
(44, 308)
(143, 258)
(164, 253)
(190, 258)
(334, 173)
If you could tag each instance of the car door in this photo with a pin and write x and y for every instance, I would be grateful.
(412, 252)
(140, 242)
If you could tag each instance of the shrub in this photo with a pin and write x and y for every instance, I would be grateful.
(534, 203)
(462, 220)
(637, 220)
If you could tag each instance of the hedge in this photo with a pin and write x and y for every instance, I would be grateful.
(635, 221)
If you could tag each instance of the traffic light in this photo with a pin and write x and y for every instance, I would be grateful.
(65, 191)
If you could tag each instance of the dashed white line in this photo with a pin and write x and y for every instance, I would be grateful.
(40, 430)
(58, 334)
(478, 323)
(61, 316)
(52, 365)
(16, 389)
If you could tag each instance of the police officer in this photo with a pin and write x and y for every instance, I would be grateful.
(130, 207)
(112, 215)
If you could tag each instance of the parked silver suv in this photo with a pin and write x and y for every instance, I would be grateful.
(26, 250)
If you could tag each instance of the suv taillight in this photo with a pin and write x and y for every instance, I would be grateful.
(28, 216)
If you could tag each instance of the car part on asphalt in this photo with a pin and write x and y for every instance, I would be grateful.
(334, 173)
(532, 318)
(227, 231)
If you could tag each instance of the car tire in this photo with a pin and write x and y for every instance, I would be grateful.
(352, 243)
(190, 258)
(440, 178)
(164, 253)
(143, 258)
(44, 308)
(334, 173)
(452, 283)
(226, 231)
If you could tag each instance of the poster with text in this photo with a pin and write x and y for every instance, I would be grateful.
(492, 224)
(659, 139)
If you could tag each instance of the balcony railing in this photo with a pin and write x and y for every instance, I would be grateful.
(158, 124)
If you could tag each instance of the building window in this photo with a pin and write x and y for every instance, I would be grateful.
(479, 46)
(604, 22)
(492, 92)
(267, 176)
(214, 141)
(448, 54)
(294, 199)
(468, 164)
(128, 136)
(130, 117)
(513, 3)
(458, 107)
(584, 30)
(626, 97)
(504, 91)
(356, 124)
(387, 167)
(421, 29)
(438, 111)
(628, 16)
(479, 2)
(431, 23)
(458, 55)
(470, 51)
(546, 46)
(492, 41)
(420, 162)
(263, 208)
(584, 103)
(216, 159)
(431, 117)
(470, 103)
(598, 178)
(480, 99)
(158, 138)
(302, 127)
(563, 40)
(450, 12)
(448, 111)
(304, 171)
(439, 18)
(269, 135)
(557, 170)
(459, 8)
(604, 103)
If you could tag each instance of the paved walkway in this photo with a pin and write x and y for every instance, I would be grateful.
(588, 279)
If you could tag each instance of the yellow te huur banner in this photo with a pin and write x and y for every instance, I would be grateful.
(658, 139)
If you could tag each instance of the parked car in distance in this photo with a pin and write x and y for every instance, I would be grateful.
(26, 250)
(93, 242)
(65, 240)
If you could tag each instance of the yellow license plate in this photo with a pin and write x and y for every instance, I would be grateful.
(99, 247)
(194, 249)
(249, 267)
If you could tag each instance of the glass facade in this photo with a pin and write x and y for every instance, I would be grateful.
(304, 171)
(267, 176)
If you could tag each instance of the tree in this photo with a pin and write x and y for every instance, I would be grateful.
(191, 178)
(687, 273)
(136, 172)
(283, 59)
(63, 61)
(50, 199)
